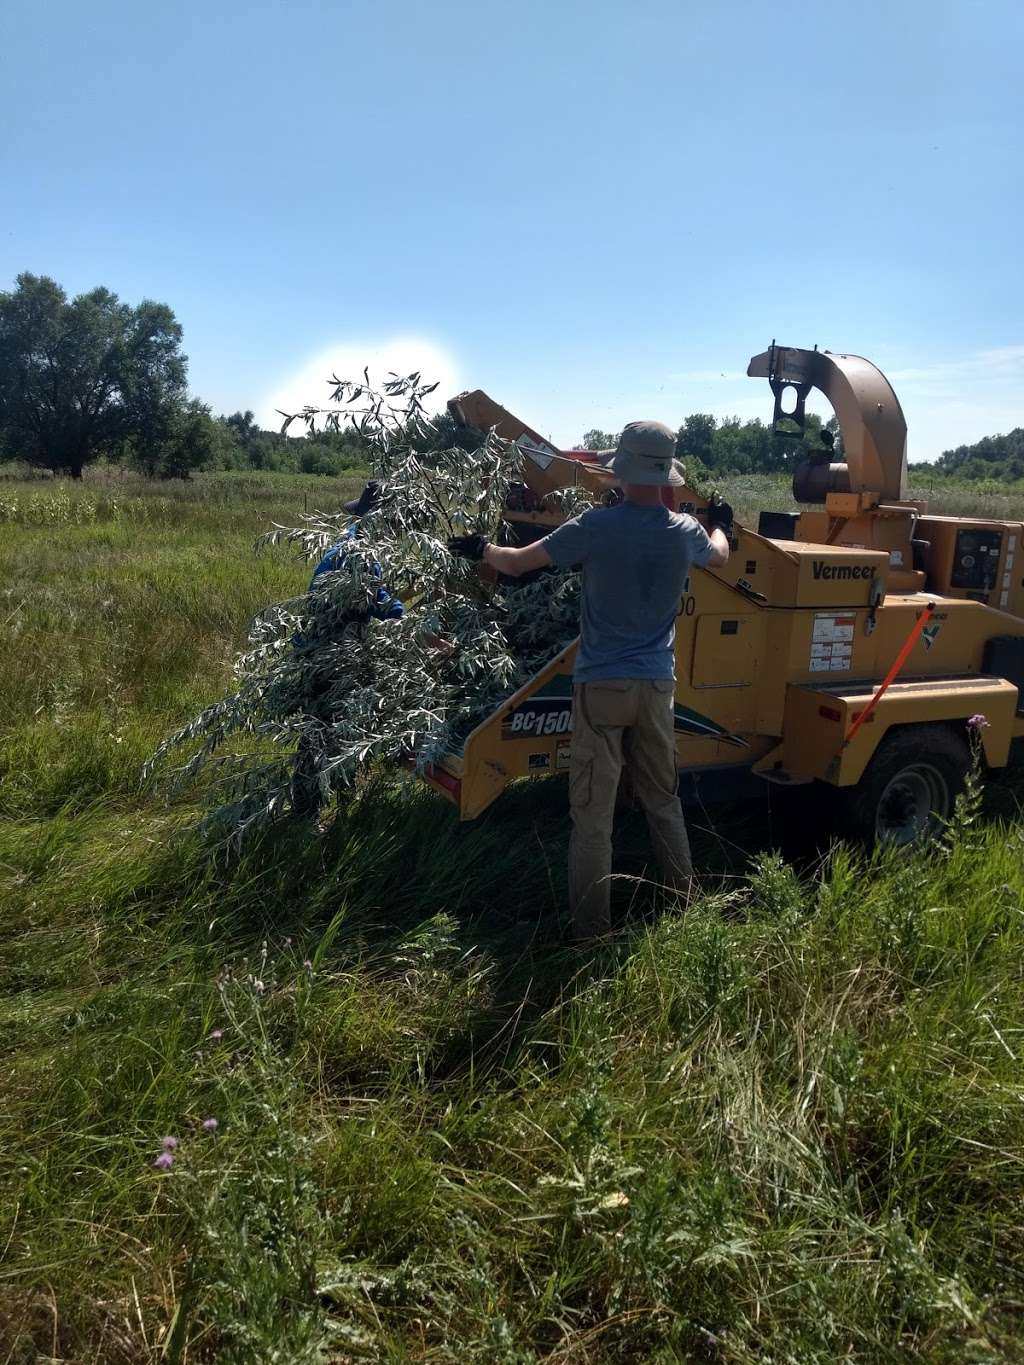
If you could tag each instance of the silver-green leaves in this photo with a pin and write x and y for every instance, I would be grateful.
(395, 690)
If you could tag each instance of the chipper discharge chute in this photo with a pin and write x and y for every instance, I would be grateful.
(840, 654)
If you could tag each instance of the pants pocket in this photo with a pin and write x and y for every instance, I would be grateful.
(609, 705)
(663, 703)
(581, 780)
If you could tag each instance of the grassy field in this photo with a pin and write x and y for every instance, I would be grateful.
(787, 1126)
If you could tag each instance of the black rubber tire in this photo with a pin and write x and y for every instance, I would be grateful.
(913, 766)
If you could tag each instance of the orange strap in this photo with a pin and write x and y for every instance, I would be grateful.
(898, 662)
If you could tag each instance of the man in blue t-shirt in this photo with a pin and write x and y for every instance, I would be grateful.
(635, 558)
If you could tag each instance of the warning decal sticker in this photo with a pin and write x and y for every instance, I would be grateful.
(539, 451)
(832, 643)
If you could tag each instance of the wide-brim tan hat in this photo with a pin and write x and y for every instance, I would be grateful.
(645, 455)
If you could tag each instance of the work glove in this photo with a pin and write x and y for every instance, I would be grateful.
(468, 547)
(720, 515)
(366, 502)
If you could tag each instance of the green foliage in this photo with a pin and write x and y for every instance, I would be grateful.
(190, 440)
(442, 432)
(751, 447)
(778, 1130)
(350, 691)
(784, 1125)
(86, 377)
(695, 439)
(243, 444)
(993, 457)
(599, 440)
(950, 495)
(708, 447)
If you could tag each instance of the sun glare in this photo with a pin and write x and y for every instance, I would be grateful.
(310, 382)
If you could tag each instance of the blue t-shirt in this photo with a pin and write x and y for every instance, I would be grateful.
(387, 607)
(635, 564)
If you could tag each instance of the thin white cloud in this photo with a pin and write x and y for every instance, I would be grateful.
(309, 383)
(958, 400)
(991, 366)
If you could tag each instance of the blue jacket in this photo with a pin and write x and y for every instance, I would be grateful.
(387, 607)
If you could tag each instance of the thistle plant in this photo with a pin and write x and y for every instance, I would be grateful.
(961, 826)
(350, 691)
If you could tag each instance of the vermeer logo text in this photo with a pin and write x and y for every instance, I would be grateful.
(823, 570)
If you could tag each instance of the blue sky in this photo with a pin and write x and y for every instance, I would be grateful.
(594, 211)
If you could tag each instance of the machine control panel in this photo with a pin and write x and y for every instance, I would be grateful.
(972, 558)
(976, 559)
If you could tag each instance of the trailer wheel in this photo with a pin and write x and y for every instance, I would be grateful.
(909, 788)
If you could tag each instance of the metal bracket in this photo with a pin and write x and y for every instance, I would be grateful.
(779, 387)
(876, 595)
(750, 591)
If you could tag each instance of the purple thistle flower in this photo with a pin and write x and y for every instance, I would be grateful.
(308, 966)
(169, 1143)
(216, 1035)
(978, 722)
(210, 1125)
(288, 941)
(164, 1161)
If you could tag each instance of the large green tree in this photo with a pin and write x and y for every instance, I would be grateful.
(189, 439)
(85, 377)
(596, 439)
(695, 438)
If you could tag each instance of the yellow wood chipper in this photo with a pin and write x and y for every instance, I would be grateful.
(844, 653)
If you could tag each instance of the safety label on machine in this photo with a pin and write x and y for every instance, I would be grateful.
(539, 451)
(832, 643)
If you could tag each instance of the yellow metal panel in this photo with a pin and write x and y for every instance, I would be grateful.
(836, 575)
(763, 566)
(818, 718)
(724, 692)
(727, 650)
(527, 736)
(849, 504)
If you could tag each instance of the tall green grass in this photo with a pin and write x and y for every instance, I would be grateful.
(787, 1125)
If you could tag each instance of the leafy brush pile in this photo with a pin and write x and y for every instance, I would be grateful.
(352, 692)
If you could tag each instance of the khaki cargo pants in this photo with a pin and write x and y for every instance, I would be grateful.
(621, 721)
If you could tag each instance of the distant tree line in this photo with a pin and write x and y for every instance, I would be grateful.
(993, 457)
(243, 444)
(94, 379)
(711, 447)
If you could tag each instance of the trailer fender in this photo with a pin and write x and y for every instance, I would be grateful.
(818, 719)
